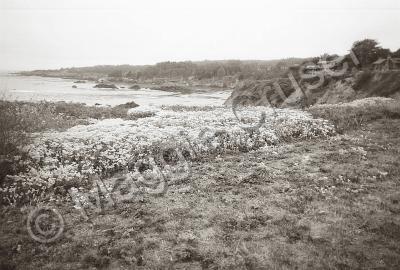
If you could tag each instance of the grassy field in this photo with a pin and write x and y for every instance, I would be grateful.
(296, 202)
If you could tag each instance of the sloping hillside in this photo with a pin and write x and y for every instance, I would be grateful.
(261, 92)
(385, 84)
(285, 93)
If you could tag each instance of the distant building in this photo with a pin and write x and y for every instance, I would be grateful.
(386, 64)
(322, 66)
(327, 64)
(312, 69)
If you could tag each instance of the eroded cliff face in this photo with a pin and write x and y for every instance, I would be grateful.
(285, 92)
(362, 85)
(385, 84)
(261, 93)
(338, 91)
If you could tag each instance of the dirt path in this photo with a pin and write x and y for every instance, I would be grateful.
(325, 204)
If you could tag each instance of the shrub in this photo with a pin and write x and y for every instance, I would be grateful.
(361, 79)
(81, 111)
(17, 121)
(352, 115)
(23, 122)
(72, 157)
(13, 128)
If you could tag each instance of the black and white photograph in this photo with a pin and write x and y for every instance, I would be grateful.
(213, 134)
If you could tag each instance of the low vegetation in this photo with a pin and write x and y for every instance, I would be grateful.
(40, 116)
(302, 202)
(19, 120)
(352, 115)
(72, 157)
(385, 84)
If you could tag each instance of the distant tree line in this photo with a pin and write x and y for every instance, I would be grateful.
(367, 51)
(241, 70)
(212, 69)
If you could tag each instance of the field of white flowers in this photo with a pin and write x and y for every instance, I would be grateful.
(57, 161)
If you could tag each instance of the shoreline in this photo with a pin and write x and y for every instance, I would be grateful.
(170, 85)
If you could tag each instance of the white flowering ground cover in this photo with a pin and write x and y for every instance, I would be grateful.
(58, 161)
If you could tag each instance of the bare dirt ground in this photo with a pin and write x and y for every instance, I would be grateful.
(323, 204)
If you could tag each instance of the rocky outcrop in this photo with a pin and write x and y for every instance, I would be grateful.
(135, 87)
(363, 84)
(332, 90)
(171, 88)
(288, 93)
(105, 85)
(128, 105)
(262, 93)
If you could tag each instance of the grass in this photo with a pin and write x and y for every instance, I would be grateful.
(18, 120)
(325, 203)
(61, 160)
(321, 204)
(81, 111)
(40, 116)
(353, 115)
(384, 84)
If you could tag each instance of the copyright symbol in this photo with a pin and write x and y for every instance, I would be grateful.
(241, 100)
(45, 224)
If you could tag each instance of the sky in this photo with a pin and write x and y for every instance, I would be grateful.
(47, 34)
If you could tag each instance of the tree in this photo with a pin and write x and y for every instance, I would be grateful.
(116, 74)
(382, 53)
(367, 51)
(221, 72)
(396, 54)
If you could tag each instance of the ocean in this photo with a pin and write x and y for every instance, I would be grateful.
(34, 88)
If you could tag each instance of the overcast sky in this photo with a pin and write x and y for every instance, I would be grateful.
(36, 34)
